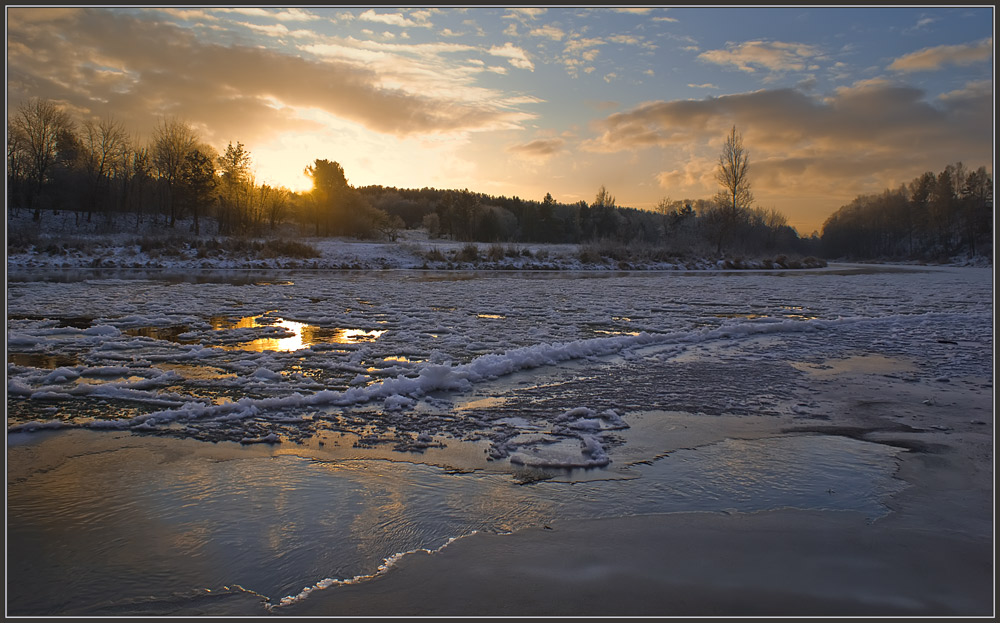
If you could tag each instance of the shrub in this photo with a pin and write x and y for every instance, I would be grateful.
(589, 254)
(288, 248)
(495, 252)
(468, 253)
(21, 240)
(435, 255)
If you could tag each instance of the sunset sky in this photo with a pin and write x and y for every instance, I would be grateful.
(832, 102)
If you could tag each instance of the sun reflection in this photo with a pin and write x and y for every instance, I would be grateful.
(301, 335)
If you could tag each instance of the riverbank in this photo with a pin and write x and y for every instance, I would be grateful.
(64, 243)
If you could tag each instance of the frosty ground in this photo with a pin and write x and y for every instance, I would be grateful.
(273, 437)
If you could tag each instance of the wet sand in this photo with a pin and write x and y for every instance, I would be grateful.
(932, 555)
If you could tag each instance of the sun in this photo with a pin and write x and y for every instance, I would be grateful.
(282, 164)
(283, 174)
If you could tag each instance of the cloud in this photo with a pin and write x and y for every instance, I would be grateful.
(977, 89)
(707, 85)
(773, 56)
(625, 39)
(514, 55)
(540, 148)
(578, 52)
(934, 58)
(284, 15)
(875, 131)
(696, 173)
(397, 19)
(548, 32)
(105, 61)
(524, 13)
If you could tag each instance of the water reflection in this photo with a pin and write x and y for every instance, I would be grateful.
(857, 364)
(169, 334)
(93, 529)
(287, 335)
(197, 372)
(42, 360)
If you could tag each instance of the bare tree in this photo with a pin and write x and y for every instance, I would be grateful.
(138, 169)
(735, 197)
(41, 127)
(172, 141)
(17, 165)
(105, 150)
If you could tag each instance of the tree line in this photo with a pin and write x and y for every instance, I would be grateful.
(934, 217)
(728, 222)
(98, 170)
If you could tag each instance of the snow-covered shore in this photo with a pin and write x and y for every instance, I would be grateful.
(60, 242)
(414, 250)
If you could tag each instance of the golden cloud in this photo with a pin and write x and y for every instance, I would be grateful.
(140, 69)
(931, 59)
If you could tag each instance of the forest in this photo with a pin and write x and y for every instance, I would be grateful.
(934, 217)
(112, 182)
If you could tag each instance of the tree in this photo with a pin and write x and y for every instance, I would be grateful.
(735, 197)
(196, 185)
(943, 200)
(172, 141)
(135, 184)
(328, 193)
(604, 199)
(604, 214)
(17, 165)
(42, 130)
(977, 207)
(105, 150)
(917, 215)
(236, 189)
(546, 218)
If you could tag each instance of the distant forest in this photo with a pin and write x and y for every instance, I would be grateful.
(934, 217)
(111, 182)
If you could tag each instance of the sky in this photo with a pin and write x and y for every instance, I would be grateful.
(831, 102)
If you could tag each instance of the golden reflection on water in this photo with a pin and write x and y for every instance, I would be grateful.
(42, 360)
(196, 372)
(857, 364)
(490, 402)
(302, 335)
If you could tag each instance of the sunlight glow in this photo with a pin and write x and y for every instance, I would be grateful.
(284, 166)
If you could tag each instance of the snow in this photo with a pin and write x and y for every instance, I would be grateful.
(396, 348)
(414, 249)
(531, 375)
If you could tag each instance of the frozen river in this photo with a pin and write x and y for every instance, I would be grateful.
(207, 442)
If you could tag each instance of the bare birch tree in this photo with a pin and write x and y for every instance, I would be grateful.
(735, 198)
